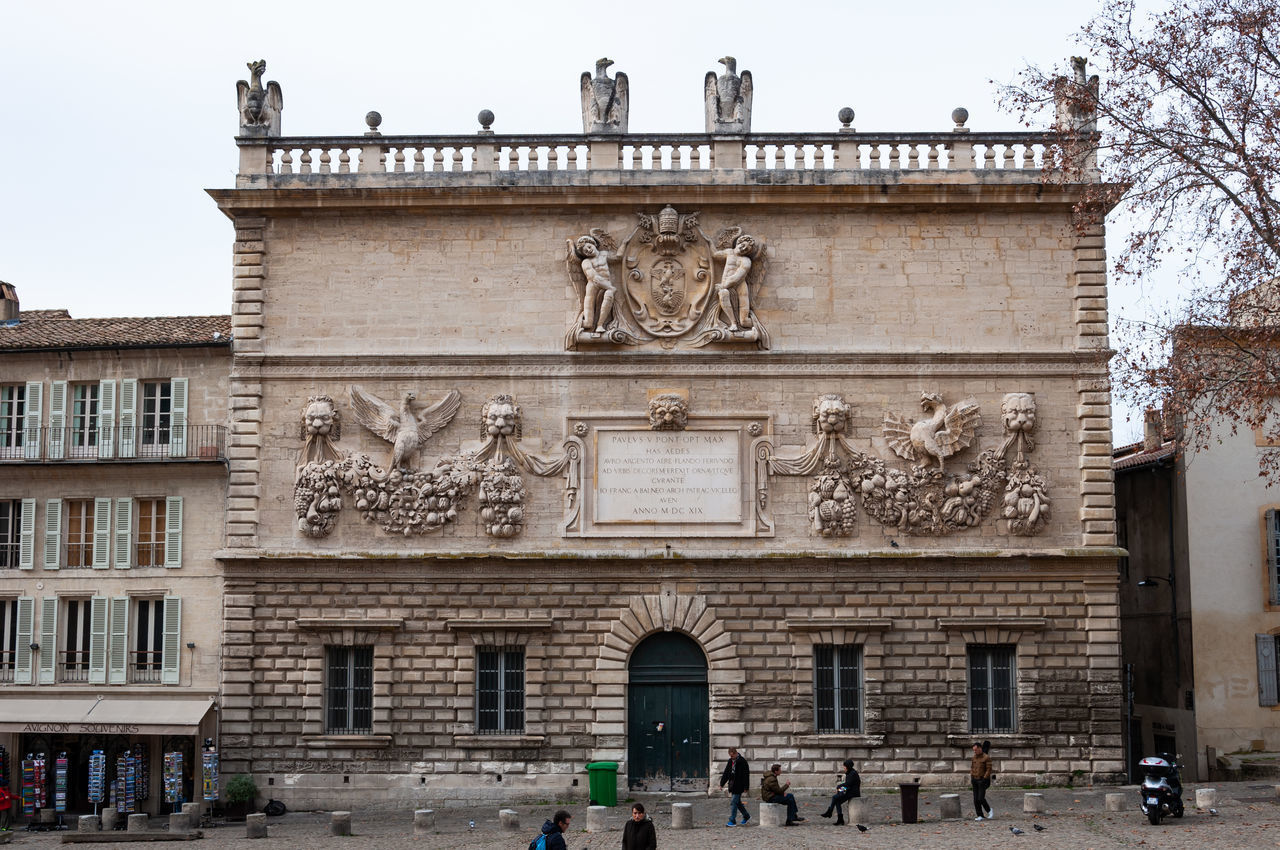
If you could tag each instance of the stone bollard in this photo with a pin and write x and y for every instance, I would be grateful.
(89, 823)
(424, 820)
(1033, 803)
(949, 807)
(110, 818)
(1206, 798)
(340, 823)
(179, 823)
(682, 816)
(595, 818)
(1115, 802)
(855, 811)
(509, 819)
(255, 825)
(46, 816)
(137, 823)
(772, 814)
(192, 811)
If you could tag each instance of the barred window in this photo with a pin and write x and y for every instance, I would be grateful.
(348, 690)
(500, 690)
(837, 688)
(10, 533)
(991, 689)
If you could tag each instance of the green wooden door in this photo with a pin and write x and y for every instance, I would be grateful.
(667, 716)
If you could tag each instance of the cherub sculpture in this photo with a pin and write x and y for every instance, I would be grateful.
(406, 429)
(605, 101)
(728, 99)
(740, 275)
(588, 263)
(260, 107)
(945, 432)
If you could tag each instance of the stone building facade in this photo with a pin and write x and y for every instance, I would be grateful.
(795, 443)
(112, 484)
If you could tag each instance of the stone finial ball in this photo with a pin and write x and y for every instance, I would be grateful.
(959, 115)
(485, 118)
(373, 119)
(845, 115)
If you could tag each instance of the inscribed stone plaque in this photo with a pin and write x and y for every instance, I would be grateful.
(661, 477)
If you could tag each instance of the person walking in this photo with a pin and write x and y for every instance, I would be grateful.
(737, 778)
(773, 790)
(552, 835)
(980, 780)
(639, 833)
(850, 787)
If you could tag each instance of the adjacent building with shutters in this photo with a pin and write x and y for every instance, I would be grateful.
(112, 492)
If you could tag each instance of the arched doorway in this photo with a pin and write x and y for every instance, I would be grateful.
(667, 715)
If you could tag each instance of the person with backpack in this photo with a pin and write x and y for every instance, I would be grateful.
(552, 836)
(737, 775)
(639, 833)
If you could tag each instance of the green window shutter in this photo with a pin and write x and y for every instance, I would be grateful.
(57, 419)
(25, 637)
(27, 536)
(106, 419)
(1268, 681)
(128, 417)
(98, 640)
(101, 534)
(173, 531)
(178, 418)
(48, 640)
(170, 656)
(31, 422)
(118, 641)
(52, 533)
(124, 533)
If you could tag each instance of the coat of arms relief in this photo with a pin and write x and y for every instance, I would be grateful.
(667, 282)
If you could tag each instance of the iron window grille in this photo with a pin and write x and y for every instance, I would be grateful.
(991, 689)
(499, 690)
(348, 690)
(837, 688)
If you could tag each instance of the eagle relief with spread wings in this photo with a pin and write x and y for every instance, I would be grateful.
(947, 430)
(407, 429)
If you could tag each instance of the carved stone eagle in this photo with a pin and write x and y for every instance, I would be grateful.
(945, 432)
(406, 429)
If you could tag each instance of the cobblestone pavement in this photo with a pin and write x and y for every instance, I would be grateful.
(1248, 817)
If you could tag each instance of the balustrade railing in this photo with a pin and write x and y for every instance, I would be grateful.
(187, 442)
(301, 156)
(73, 666)
(145, 666)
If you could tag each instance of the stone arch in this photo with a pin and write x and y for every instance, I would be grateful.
(644, 615)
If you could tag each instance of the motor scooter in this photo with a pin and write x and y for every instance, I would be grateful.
(1161, 787)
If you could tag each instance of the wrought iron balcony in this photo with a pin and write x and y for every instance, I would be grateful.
(181, 443)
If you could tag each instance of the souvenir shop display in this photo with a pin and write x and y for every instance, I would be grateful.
(4, 767)
(97, 778)
(173, 778)
(33, 784)
(209, 772)
(60, 783)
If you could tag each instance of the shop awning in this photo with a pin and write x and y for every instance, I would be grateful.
(104, 716)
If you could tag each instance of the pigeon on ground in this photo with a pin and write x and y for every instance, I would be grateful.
(1213, 811)
(1016, 831)
(860, 827)
(1038, 828)
(471, 825)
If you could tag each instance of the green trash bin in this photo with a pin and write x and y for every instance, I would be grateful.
(602, 781)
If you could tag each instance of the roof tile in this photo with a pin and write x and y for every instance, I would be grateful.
(46, 329)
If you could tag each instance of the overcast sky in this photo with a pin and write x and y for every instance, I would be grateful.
(119, 115)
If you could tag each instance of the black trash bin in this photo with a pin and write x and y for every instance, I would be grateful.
(910, 801)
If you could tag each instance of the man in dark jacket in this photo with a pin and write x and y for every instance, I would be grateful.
(554, 830)
(737, 776)
(639, 833)
(773, 790)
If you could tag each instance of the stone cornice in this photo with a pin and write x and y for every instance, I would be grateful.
(680, 364)
(623, 189)
(682, 560)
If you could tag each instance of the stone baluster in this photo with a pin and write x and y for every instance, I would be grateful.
(286, 161)
(634, 158)
(458, 159)
(397, 160)
(553, 158)
(1006, 157)
(913, 156)
(304, 161)
(932, 150)
(980, 156)
(344, 161)
(419, 164)
(326, 161)
(573, 157)
(437, 159)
